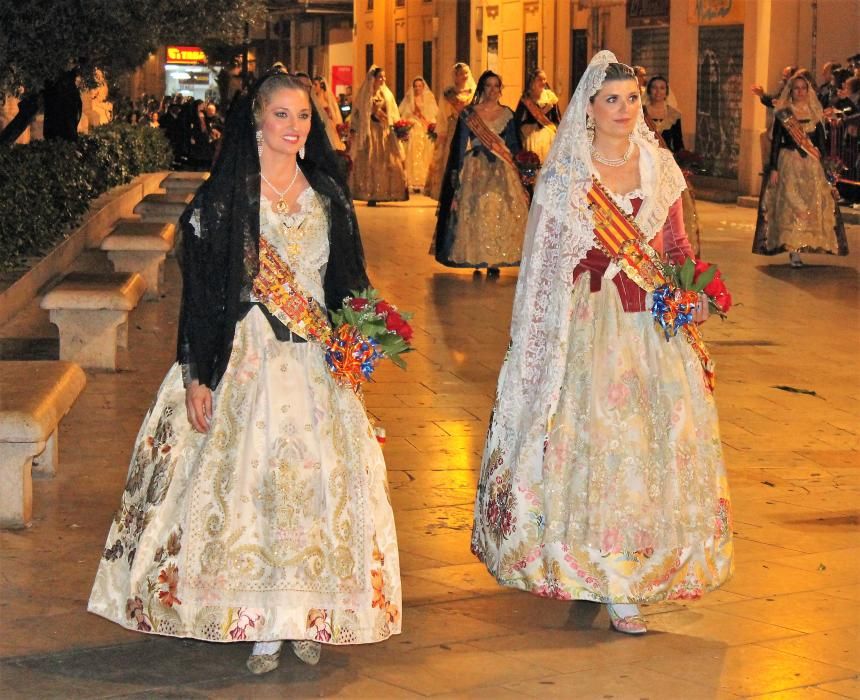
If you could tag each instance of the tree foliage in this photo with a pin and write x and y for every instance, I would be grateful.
(39, 39)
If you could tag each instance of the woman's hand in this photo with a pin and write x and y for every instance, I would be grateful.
(702, 312)
(773, 178)
(198, 406)
(757, 90)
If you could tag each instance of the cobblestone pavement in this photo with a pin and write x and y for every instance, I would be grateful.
(786, 625)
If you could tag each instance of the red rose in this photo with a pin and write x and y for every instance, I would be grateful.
(358, 303)
(393, 320)
(701, 266)
(724, 302)
(405, 331)
(383, 307)
(715, 287)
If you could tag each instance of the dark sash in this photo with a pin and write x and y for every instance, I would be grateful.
(535, 110)
(493, 142)
(797, 133)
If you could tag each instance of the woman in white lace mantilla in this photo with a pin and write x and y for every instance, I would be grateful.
(256, 505)
(602, 477)
(378, 158)
(326, 103)
(452, 101)
(419, 108)
(797, 210)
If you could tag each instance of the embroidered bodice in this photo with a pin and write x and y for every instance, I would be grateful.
(301, 239)
(626, 202)
(671, 241)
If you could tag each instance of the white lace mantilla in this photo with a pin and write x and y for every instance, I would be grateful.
(560, 231)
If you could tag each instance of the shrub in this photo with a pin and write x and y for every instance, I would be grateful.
(46, 186)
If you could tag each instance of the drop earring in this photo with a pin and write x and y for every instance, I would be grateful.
(260, 142)
(302, 153)
(589, 126)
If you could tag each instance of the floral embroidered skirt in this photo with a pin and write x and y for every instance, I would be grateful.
(629, 502)
(489, 225)
(379, 167)
(798, 213)
(274, 525)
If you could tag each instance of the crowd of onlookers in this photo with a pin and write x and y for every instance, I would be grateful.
(193, 126)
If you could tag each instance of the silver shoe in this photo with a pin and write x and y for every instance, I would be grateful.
(307, 651)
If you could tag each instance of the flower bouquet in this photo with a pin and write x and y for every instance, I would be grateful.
(528, 163)
(366, 330)
(431, 132)
(402, 127)
(674, 303)
(834, 169)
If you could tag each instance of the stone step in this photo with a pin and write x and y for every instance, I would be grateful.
(184, 182)
(134, 234)
(748, 200)
(163, 207)
(141, 246)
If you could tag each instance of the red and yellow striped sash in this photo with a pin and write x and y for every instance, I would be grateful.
(535, 110)
(624, 242)
(276, 286)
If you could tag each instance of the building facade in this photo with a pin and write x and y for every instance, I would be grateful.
(711, 52)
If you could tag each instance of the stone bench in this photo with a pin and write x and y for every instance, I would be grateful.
(91, 312)
(141, 246)
(163, 207)
(184, 182)
(34, 397)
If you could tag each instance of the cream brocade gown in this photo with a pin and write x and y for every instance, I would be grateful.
(419, 153)
(378, 166)
(630, 503)
(277, 523)
(446, 125)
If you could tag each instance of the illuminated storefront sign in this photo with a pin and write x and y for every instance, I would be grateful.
(186, 56)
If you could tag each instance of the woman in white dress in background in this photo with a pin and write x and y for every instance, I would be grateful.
(455, 98)
(378, 163)
(420, 109)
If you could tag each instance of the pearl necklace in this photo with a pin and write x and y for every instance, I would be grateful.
(611, 162)
(281, 205)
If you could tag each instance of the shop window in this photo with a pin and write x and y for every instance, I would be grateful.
(650, 48)
(368, 57)
(493, 53)
(531, 54)
(399, 71)
(427, 62)
(578, 56)
(464, 18)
